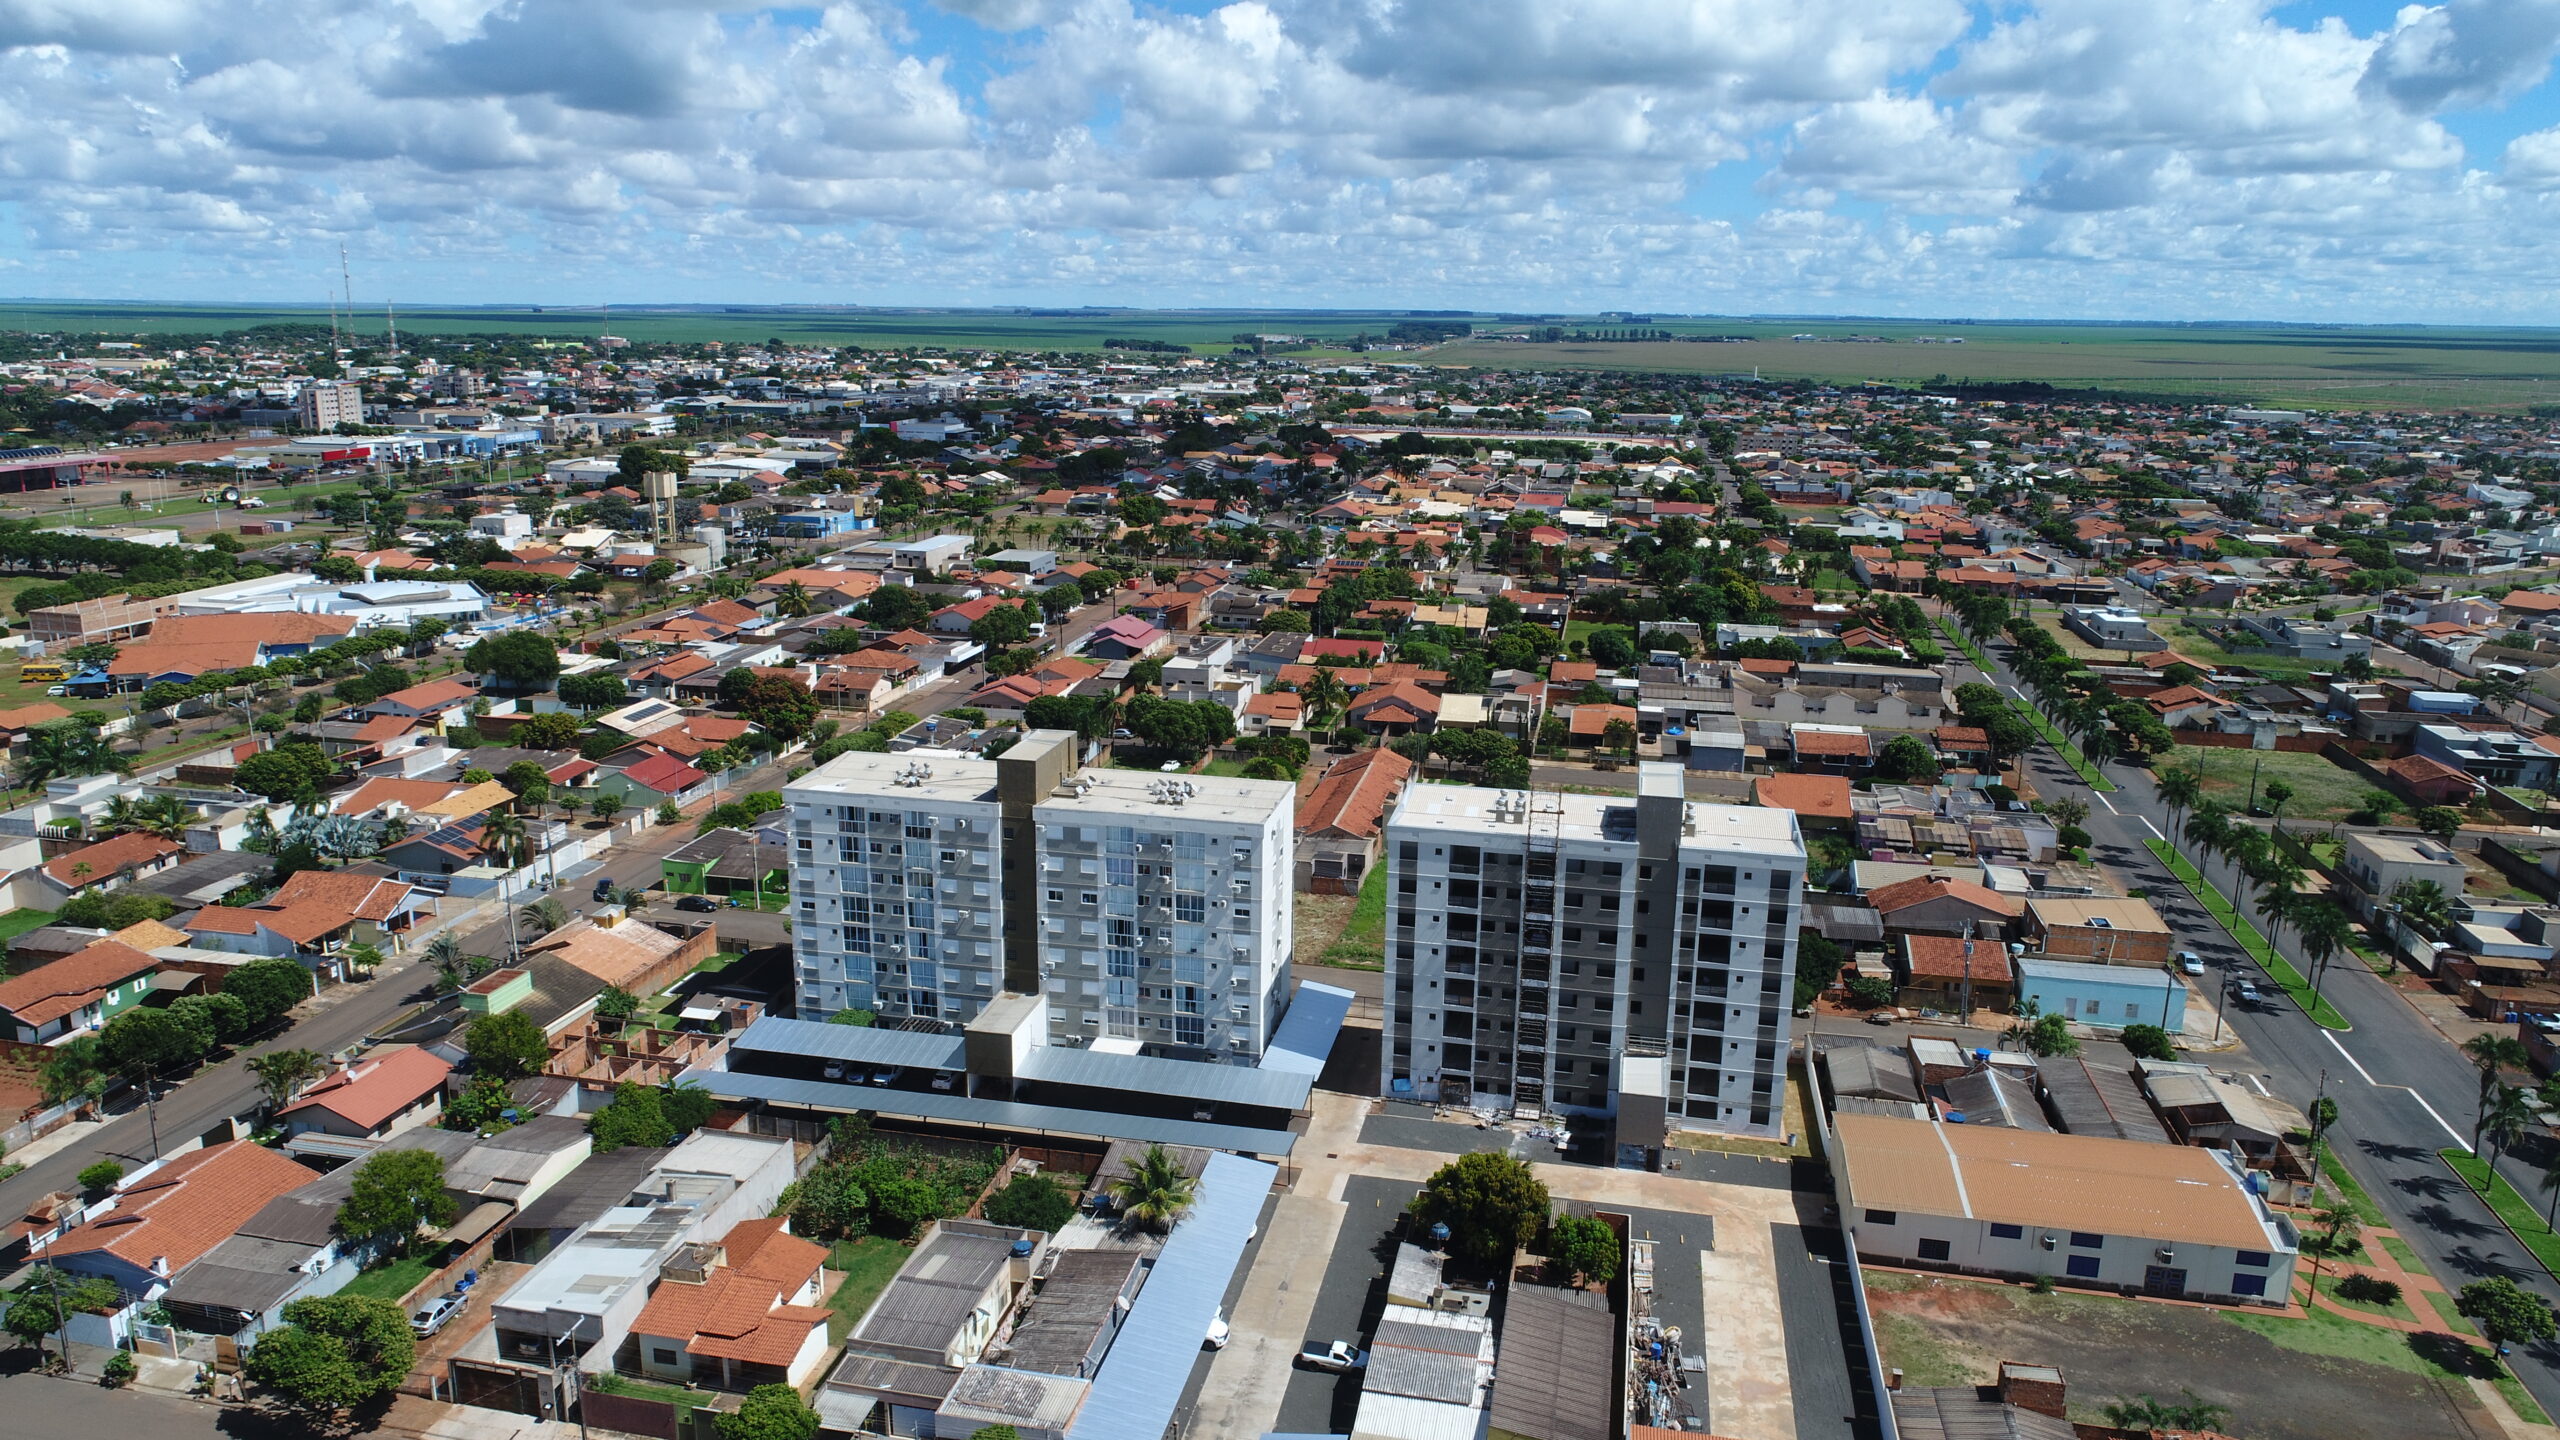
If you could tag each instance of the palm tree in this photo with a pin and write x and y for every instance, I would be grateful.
(2510, 1115)
(2324, 929)
(2492, 1054)
(1156, 1191)
(444, 956)
(2422, 904)
(506, 840)
(2208, 827)
(2550, 1185)
(2180, 788)
(792, 600)
(544, 915)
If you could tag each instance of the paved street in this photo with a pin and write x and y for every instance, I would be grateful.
(2403, 1093)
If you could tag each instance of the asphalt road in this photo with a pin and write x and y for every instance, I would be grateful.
(2403, 1091)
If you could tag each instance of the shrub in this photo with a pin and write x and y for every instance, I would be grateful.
(2367, 1290)
(101, 1176)
(1031, 1202)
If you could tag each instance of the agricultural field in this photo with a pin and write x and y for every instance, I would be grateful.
(2378, 368)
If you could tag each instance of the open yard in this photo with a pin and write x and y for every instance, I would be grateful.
(2283, 1379)
(1362, 943)
(2323, 792)
(390, 1282)
(2196, 644)
(868, 1265)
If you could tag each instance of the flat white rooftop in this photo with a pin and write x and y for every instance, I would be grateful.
(1141, 795)
(877, 775)
(1734, 829)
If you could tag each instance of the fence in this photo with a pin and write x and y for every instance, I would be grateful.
(2217, 740)
(630, 1414)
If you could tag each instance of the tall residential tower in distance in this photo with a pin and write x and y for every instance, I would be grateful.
(1593, 954)
(1146, 907)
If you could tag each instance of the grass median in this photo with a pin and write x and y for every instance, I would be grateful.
(2061, 743)
(2225, 914)
(2509, 1205)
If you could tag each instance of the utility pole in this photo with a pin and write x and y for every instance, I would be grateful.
(1964, 1004)
(2316, 1096)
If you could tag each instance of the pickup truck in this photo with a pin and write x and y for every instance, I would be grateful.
(1339, 1356)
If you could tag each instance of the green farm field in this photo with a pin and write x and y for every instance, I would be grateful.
(2408, 368)
(1206, 331)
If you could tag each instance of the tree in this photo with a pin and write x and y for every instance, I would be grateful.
(550, 730)
(516, 659)
(2377, 806)
(394, 1193)
(269, 987)
(2422, 904)
(635, 1116)
(1585, 1247)
(608, 804)
(76, 1070)
(1001, 627)
(594, 690)
(2048, 1035)
(855, 1016)
(47, 1298)
(69, 747)
(1031, 1202)
(897, 607)
(2506, 1312)
(294, 771)
(101, 1176)
(503, 838)
(995, 1432)
(2148, 1042)
(282, 1072)
(770, 1412)
(2279, 795)
(616, 1003)
(2491, 1055)
(2442, 821)
(148, 1040)
(780, 705)
(1156, 1190)
(335, 1352)
(1907, 759)
(1491, 1203)
(2509, 1118)
(508, 1045)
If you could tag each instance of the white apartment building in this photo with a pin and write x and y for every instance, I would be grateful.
(1593, 954)
(1147, 908)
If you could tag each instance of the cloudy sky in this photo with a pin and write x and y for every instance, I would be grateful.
(2204, 159)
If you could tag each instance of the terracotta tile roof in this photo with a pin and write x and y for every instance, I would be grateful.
(1593, 720)
(301, 924)
(83, 977)
(1942, 957)
(618, 957)
(728, 612)
(462, 804)
(1826, 796)
(197, 644)
(185, 1208)
(435, 694)
(368, 1094)
(664, 774)
(1831, 742)
(366, 897)
(1573, 672)
(149, 935)
(27, 717)
(384, 727)
(1353, 796)
(374, 794)
(1904, 894)
(733, 1315)
(109, 856)
(1277, 705)
(1399, 694)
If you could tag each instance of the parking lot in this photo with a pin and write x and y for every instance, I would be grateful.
(1348, 1306)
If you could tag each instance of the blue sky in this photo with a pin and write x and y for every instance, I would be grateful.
(2335, 160)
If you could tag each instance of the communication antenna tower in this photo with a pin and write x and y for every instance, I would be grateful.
(391, 317)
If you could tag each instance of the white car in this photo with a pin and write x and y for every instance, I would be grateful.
(1340, 1357)
(1218, 1331)
(2190, 962)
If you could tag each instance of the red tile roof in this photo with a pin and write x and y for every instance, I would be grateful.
(107, 858)
(664, 774)
(366, 1095)
(1831, 742)
(185, 1208)
(1903, 894)
(1943, 957)
(1353, 796)
(737, 1313)
(1825, 796)
(83, 977)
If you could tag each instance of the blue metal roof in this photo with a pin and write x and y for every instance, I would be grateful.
(1307, 1032)
(995, 1114)
(1140, 1381)
(1155, 1075)
(859, 1044)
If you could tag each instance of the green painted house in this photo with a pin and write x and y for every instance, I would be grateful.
(77, 993)
(725, 862)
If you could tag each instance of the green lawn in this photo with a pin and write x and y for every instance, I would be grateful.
(2453, 1319)
(2320, 1332)
(2398, 1249)
(2335, 1173)
(2191, 641)
(2220, 908)
(2397, 1310)
(2323, 792)
(1228, 765)
(2061, 743)
(1362, 945)
(2519, 1214)
(869, 1264)
(390, 1282)
(611, 1383)
(18, 922)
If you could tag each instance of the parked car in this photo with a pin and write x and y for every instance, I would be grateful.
(1218, 1331)
(697, 904)
(436, 1314)
(1340, 1357)
(834, 1070)
(604, 888)
(2190, 962)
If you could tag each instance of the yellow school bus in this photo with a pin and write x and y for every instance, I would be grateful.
(49, 671)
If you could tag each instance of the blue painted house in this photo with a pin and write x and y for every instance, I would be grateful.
(2108, 997)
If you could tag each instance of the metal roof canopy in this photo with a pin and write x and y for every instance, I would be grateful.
(1135, 1391)
(990, 1114)
(859, 1044)
(1156, 1076)
(1307, 1032)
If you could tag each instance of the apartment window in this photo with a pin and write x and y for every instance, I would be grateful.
(2254, 1259)
(1933, 1250)
(2249, 1285)
(2083, 1240)
(2082, 1267)
(1883, 1217)
(2008, 1232)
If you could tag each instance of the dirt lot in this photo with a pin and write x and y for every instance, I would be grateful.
(1317, 922)
(2282, 1379)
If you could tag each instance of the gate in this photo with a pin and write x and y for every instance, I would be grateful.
(504, 1387)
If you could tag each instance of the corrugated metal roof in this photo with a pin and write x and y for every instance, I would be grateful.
(997, 1114)
(1307, 1032)
(1154, 1075)
(861, 1044)
(1135, 1391)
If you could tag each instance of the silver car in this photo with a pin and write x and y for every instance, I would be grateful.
(436, 1314)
